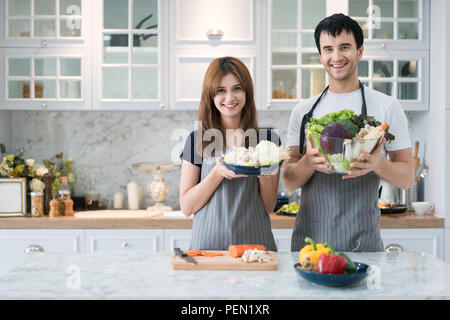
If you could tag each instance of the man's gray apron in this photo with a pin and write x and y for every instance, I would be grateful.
(233, 215)
(343, 213)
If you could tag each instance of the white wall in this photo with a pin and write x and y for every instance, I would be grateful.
(6, 129)
(436, 156)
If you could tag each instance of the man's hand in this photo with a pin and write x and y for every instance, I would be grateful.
(314, 161)
(372, 163)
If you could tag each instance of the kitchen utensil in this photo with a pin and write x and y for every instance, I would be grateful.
(416, 158)
(395, 209)
(422, 208)
(184, 256)
(335, 280)
(224, 262)
(408, 196)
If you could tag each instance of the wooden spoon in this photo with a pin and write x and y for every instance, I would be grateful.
(415, 158)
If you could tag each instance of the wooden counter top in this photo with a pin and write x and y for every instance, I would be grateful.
(403, 220)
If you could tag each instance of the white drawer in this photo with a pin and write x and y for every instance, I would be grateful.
(174, 238)
(124, 239)
(430, 241)
(14, 243)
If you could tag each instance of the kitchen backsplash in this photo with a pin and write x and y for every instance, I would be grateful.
(105, 144)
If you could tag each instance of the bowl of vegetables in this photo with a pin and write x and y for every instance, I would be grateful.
(320, 264)
(265, 158)
(342, 136)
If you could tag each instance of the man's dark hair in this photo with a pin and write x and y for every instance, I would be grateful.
(334, 25)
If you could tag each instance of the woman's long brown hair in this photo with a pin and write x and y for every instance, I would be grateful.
(208, 114)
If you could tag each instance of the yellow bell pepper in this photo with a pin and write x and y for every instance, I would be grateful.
(313, 251)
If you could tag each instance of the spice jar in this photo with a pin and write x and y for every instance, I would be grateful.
(66, 204)
(54, 208)
(37, 204)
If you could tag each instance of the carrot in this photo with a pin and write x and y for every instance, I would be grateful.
(237, 250)
(211, 254)
(383, 126)
(193, 253)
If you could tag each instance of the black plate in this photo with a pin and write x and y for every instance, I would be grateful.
(397, 209)
(252, 171)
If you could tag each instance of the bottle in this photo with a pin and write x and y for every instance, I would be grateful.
(66, 203)
(54, 208)
(92, 197)
(37, 204)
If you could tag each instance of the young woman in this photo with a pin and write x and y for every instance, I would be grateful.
(229, 208)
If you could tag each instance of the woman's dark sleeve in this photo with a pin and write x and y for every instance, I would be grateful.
(189, 153)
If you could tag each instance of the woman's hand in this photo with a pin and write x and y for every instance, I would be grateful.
(372, 163)
(221, 170)
(313, 160)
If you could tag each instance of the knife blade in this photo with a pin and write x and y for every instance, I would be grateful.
(184, 256)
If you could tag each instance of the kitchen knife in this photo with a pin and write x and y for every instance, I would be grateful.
(184, 256)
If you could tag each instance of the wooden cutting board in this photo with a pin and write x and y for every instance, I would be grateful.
(224, 262)
(114, 214)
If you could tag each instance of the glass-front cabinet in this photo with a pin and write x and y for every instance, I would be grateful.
(128, 55)
(43, 23)
(296, 72)
(56, 79)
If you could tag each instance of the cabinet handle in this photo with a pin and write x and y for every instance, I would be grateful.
(268, 106)
(44, 43)
(383, 45)
(44, 105)
(33, 248)
(161, 106)
(124, 244)
(394, 248)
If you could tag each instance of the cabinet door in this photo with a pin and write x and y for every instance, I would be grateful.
(430, 241)
(129, 59)
(283, 239)
(44, 23)
(124, 239)
(177, 238)
(199, 21)
(399, 74)
(392, 24)
(45, 79)
(15, 243)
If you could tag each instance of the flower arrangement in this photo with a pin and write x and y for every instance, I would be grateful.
(15, 166)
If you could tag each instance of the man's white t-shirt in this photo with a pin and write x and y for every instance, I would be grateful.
(383, 107)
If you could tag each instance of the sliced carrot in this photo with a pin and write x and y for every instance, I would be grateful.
(211, 254)
(237, 250)
(194, 253)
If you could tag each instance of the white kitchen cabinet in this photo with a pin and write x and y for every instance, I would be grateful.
(45, 54)
(130, 49)
(430, 241)
(396, 37)
(42, 24)
(174, 238)
(124, 239)
(447, 245)
(15, 244)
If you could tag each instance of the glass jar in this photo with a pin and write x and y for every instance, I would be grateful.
(37, 204)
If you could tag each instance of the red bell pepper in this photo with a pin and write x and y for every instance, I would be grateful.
(331, 263)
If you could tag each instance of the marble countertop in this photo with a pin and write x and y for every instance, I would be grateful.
(146, 275)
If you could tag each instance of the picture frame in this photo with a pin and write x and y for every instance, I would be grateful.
(13, 197)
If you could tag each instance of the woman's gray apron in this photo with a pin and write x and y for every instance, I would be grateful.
(343, 213)
(233, 215)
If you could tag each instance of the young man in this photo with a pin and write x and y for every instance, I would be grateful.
(340, 209)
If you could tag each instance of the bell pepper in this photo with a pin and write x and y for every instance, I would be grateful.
(331, 263)
(350, 267)
(313, 251)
